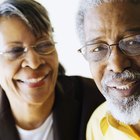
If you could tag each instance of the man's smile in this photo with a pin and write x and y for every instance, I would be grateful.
(124, 89)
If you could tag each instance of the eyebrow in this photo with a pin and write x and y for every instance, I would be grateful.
(94, 40)
(15, 42)
(135, 30)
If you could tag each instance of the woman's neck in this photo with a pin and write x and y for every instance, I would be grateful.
(28, 116)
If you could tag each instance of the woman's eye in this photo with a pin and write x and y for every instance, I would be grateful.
(16, 50)
(44, 47)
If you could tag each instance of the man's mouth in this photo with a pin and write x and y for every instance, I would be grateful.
(123, 87)
(126, 89)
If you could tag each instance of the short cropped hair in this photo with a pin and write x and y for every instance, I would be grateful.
(84, 5)
(31, 12)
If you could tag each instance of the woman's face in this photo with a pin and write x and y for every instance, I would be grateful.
(32, 77)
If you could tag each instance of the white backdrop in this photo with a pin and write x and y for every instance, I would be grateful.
(62, 14)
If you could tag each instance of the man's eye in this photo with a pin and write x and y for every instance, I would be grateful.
(133, 43)
(98, 48)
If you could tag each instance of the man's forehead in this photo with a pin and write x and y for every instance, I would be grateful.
(113, 12)
(85, 4)
(112, 20)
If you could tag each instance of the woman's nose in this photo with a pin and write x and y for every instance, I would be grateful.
(32, 59)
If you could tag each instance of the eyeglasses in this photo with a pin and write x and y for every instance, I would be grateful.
(99, 51)
(17, 50)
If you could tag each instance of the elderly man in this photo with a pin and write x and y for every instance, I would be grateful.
(110, 33)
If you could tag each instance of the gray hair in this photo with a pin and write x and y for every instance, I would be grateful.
(84, 5)
(32, 13)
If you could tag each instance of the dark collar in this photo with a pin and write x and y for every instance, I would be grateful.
(65, 114)
(7, 124)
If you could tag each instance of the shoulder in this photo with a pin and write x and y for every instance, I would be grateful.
(83, 89)
(98, 114)
(75, 79)
(83, 84)
(94, 122)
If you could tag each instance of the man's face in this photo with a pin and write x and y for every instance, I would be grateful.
(117, 76)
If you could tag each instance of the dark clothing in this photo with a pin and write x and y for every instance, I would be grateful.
(76, 98)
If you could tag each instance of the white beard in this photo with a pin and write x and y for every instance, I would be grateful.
(124, 109)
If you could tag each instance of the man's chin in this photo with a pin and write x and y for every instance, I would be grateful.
(126, 113)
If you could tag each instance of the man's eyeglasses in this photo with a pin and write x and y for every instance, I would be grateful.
(100, 51)
(17, 50)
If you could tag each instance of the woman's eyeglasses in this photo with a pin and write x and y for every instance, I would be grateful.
(17, 50)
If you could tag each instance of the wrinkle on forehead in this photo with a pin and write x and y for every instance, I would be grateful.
(111, 19)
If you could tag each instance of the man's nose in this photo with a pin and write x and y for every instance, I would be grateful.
(118, 61)
(32, 59)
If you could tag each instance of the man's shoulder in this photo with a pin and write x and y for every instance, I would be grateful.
(99, 113)
(94, 123)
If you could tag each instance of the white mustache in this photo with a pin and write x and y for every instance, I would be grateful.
(120, 79)
(125, 75)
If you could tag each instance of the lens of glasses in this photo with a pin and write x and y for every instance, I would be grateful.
(44, 47)
(15, 52)
(96, 52)
(130, 45)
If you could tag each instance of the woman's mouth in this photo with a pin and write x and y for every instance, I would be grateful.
(34, 82)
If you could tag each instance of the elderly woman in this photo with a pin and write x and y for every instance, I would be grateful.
(37, 103)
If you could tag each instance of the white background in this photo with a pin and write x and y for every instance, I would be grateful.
(63, 17)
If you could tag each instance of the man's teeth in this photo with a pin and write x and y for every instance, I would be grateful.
(124, 87)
